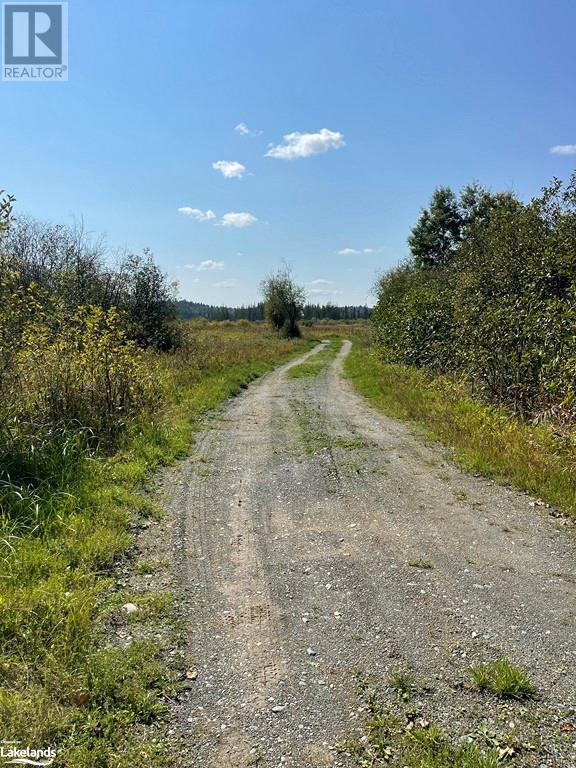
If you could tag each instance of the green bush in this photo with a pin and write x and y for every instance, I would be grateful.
(492, 300)
(77, 271)
(66, 374)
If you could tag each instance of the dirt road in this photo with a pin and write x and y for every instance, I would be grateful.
(316, 540)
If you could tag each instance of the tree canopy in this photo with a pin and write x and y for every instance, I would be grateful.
(284, 302)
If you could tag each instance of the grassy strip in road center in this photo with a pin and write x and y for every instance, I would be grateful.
(313, 365)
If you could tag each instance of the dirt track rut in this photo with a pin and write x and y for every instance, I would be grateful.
(296, 521)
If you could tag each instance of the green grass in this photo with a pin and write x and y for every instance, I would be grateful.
(315, 430)
(315, 364)
(388, 740)
(484, 439)
(403, 681)
(409, 740)
(504, 679)
(312, 426)
(62, 532)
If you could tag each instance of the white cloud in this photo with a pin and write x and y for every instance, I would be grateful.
(243, 129)
(209, 264)
(232, 219)
(226, 283)
(205, 265)
(238, 220)
(321, 281)
(306, 144)
(354, 251)
(230, 169)
(197, 214)
(563, 149)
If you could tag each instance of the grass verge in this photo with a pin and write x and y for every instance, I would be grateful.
(62, 682)
(485, 440)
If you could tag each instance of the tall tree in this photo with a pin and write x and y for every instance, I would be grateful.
(438, 230)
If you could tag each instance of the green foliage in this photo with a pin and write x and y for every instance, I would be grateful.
(6, 203)
(492, 300)
(411, 742)
(438, 230)
(64, 374)
(75, 270)
(69, 368)
(283, 302)
(65, 509)
(96, 711)
(503, 679)
(149, 304)
(403, 681)
(85, 414)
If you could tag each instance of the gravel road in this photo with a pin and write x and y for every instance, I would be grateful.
(315, 540)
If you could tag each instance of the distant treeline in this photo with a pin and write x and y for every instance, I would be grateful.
(188, 310)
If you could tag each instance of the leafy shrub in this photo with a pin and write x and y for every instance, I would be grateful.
(87, 374)
(490, 295)
(283, 303)
(76, 373)
(76, 270)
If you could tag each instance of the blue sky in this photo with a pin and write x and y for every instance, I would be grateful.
(404, 95)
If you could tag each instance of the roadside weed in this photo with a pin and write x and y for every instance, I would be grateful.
(504, 680)
(403, 681)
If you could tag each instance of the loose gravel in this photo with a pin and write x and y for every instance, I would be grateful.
(314, 541)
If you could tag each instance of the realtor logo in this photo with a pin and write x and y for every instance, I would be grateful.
(35, 42)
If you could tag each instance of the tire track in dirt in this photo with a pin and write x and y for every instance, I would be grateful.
(299, 515)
